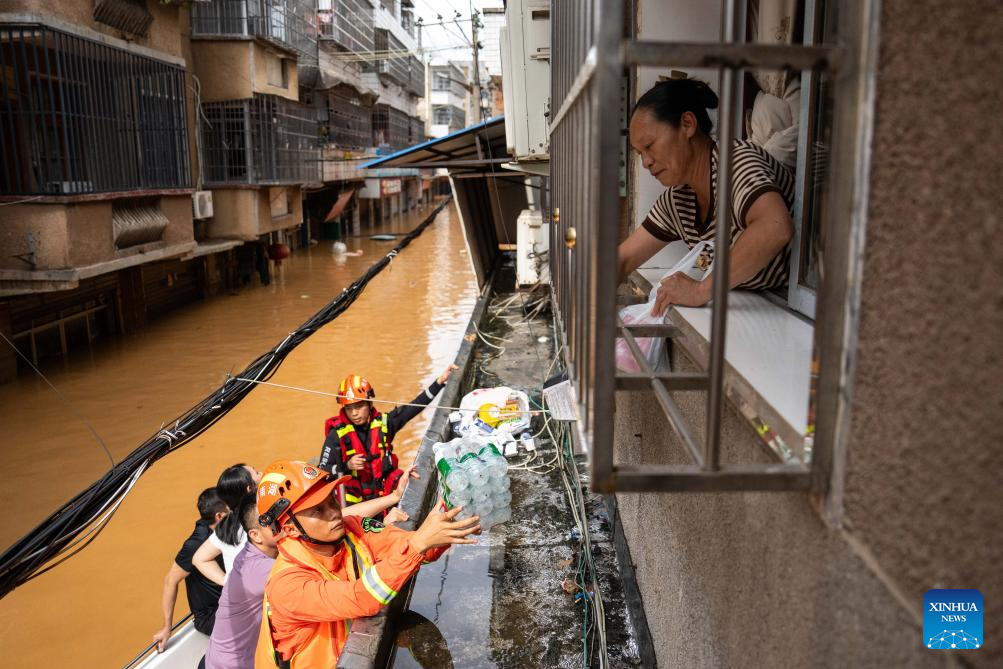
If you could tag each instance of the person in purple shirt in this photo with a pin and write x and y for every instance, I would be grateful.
(238, 618)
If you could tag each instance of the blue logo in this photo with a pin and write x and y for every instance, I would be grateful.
(952, 619)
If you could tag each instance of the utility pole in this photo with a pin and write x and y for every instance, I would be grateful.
(478, 113)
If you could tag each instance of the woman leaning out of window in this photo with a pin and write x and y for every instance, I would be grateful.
(670, 128)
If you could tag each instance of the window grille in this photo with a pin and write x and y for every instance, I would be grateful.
(393, 58)
(347, 24)
(417, 130)
(80, 116)
(350, 124)
(416, 82)
(291, 24)
(391, 127)
(131, 16)
(589, 57)
(261, 140)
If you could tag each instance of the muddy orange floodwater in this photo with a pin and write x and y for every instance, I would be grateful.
(102, 606)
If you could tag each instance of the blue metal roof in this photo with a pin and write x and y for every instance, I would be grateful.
(456, 145)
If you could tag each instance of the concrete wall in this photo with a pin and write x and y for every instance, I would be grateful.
(758, 579)
(163, 35)
(246, 213)
(78, 234)
(224, 68)
(259, 67)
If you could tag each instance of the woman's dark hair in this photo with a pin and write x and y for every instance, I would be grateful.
(248, 511)
(234, 484)
(668, 100)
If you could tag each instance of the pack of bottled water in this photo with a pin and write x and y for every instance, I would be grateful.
(474, 474)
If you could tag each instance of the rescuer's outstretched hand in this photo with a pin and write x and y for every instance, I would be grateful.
(442, 529)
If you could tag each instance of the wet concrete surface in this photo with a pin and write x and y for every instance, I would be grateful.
(501, 603)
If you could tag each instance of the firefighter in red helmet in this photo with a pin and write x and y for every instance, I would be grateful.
(359, 440)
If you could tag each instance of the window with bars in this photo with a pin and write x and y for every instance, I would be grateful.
(291, 24)
(416, 73)
(349, 123)
(391, 127)
(586, 91)
(82, 116)
(417, 130)
(347, 24)
(261, 140)
(392, 60)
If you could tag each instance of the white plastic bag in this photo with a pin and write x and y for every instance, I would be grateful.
(653, 348)
(494, 411)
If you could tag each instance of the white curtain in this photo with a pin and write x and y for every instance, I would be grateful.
(772, 22)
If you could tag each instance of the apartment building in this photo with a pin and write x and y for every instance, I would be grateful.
(96, 180)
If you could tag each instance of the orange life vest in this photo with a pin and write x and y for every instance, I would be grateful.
(323, 648)
(381, 472)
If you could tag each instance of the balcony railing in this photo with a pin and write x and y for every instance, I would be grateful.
(347, 24)
(291, 24)
(80, 116)
(261, 140)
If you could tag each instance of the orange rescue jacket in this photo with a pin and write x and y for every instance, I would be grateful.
(311, 599)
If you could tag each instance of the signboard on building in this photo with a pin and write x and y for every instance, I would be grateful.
(389, 187)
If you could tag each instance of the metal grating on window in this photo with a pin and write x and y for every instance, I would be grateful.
(261, 140)
(349, 123)
(417, 130)
(346, 24)
(80, 116)
(391, 127)
(589, 59)
(128, 15)
(291, 24)
(392, 58)
(416, 82)
(135, 222)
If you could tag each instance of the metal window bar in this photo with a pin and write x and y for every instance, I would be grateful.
(416, 81)
(393, 62)
(350, 124)
(261, 140)
(291, 24)
(79, 116)
(589, 57)
(391, 127)
(347, 24)
(417, 130)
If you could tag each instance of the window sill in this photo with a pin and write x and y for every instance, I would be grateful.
(768, 355)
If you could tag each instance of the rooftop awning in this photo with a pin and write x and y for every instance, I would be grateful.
(477, 148)
(339, 206)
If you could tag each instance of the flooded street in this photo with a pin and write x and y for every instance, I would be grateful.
(102, 606)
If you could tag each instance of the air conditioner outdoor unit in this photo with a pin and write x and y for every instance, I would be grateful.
(525, 45)
(202, 204)
(532, 246)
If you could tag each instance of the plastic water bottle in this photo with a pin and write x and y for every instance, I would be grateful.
(452, 474)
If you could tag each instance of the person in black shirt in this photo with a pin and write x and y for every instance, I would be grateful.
(359, 440)
(203, 594)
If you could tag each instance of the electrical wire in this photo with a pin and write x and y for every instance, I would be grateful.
(57, 537)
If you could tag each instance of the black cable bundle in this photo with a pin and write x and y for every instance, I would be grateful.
(58, 535)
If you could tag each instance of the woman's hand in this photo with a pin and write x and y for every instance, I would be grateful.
(681, 290)
(445, 375)
(357, 462)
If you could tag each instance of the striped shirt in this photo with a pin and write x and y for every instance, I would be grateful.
(675, 216)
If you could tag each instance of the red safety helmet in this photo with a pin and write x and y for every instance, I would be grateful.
(292, 485)
(353, 389)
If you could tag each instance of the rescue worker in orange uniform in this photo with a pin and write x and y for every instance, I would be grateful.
(332, 568)
(359, 440)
